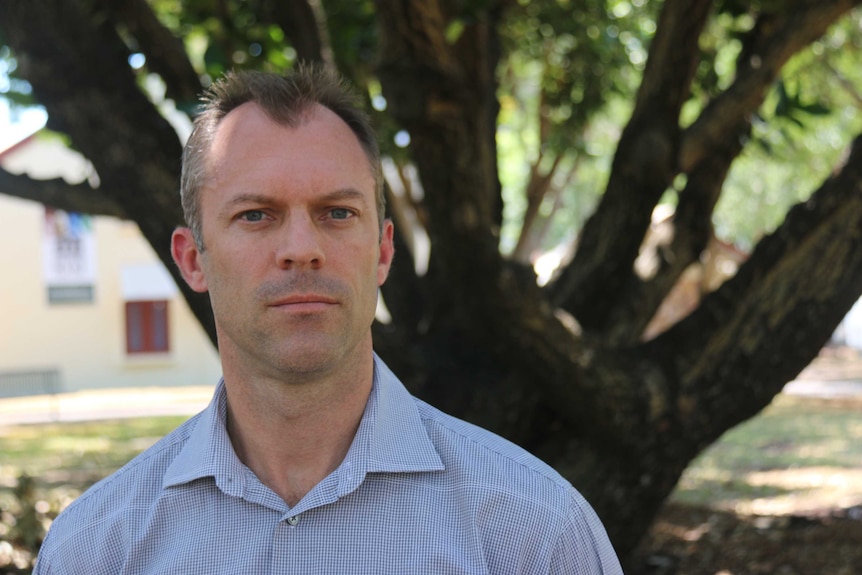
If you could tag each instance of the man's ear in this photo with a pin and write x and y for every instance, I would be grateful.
(188, 258)
(387, 252)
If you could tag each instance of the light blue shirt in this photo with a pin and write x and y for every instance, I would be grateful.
(419, 492)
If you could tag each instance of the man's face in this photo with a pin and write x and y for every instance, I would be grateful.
(293, 251)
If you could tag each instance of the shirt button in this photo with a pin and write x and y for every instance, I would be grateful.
(292, 521)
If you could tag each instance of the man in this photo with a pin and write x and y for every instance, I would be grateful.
(312, 457)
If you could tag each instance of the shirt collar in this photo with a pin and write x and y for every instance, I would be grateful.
(391, 438)
(392, 428)
(208, 452)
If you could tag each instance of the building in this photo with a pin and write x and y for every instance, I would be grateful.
(84, 301)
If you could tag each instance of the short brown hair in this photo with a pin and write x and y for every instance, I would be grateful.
(285, 99)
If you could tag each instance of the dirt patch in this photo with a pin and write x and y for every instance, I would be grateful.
(700, 541)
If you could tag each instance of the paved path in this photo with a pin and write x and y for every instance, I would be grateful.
(828, 389)
(104, 404)
(152, 401)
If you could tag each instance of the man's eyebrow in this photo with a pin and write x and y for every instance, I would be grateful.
(246, 198)
(343, 194)
(339, 195)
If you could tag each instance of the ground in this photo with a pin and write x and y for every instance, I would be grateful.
(797, 539)
(778, 495)
(690, 540)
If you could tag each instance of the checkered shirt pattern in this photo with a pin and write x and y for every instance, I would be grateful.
(419, 492)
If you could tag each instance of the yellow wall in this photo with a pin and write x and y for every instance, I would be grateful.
(85, 341)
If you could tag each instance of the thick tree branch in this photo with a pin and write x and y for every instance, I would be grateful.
(692, 231)
(726, 361)
(643, 167)
(481, 308)
(707, 150)
(60, 194)
(166, 55)
(775, 38)
(443, 93)
(765, 324)
(710, 146)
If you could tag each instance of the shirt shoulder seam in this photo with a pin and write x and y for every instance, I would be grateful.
(440, 418)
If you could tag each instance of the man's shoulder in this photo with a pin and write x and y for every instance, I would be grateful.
(505, 485)
(134, 486)
(480, 454)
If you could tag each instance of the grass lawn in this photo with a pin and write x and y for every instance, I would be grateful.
(63, 459)
(800, 455)
(796, 448)
(75, 454)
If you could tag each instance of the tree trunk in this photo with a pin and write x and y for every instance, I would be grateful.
(561, 371)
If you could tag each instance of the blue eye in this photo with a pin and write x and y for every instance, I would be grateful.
(339, 213)
(252, 216)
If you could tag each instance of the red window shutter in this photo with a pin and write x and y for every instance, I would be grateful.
(147, 327)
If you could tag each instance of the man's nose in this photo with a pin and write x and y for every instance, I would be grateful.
(299, 243)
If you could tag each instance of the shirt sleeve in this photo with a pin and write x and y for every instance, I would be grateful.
(42, 567)
(583, 547)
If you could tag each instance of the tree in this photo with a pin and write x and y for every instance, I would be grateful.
(562, 369)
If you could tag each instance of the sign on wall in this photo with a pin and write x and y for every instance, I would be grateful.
(69, 257)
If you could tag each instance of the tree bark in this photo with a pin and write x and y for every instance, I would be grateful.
(59, 194)
(643, 168)
(475, 336)
(443, 93)
(166, 55)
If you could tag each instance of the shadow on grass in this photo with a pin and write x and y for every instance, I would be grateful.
(691, 540)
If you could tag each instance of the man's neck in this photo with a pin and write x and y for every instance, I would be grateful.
(293, 436)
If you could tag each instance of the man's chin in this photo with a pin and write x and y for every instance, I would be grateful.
(312, 359)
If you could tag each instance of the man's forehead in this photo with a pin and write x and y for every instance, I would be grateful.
(250, 122)
(251, 115)
(248, 134)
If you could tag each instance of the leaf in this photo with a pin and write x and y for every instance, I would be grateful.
(215, 60)
(815, 109)
(454, 31)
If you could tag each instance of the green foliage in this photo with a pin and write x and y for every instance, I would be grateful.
(353, 39)
(221, 36)
(720, 46)
(352, 36)
(14, 90)
(23, 523)
(568, 75)
(43, 468)
(564, 61)
(803, 128)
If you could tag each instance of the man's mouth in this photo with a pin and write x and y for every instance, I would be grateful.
(304, 302)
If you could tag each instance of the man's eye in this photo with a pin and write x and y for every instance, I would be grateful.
(340, 213)
(252, 216)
